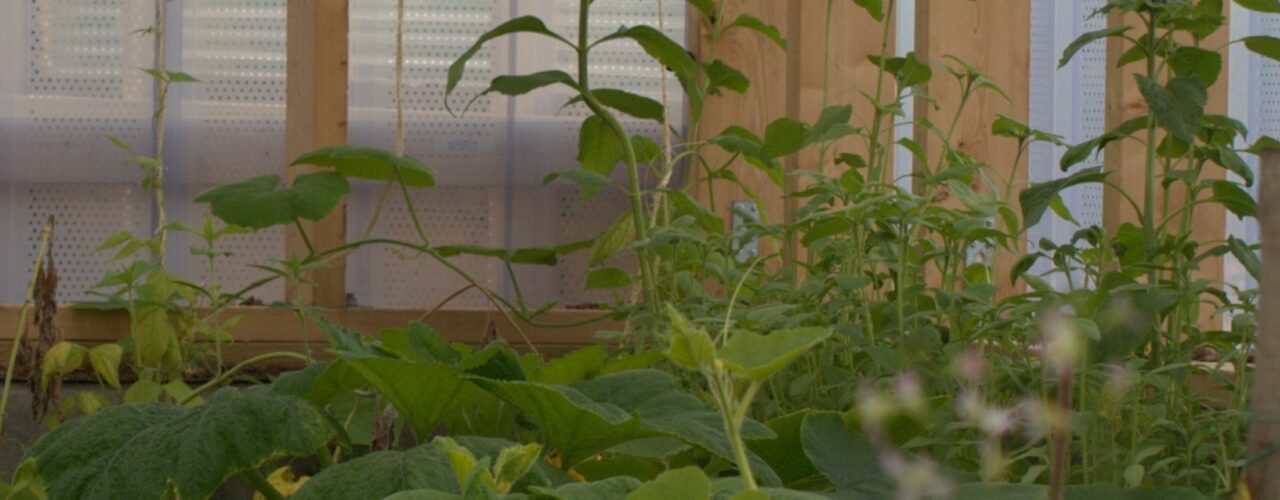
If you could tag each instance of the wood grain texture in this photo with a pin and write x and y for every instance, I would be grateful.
(1264, 430)
(765, 64)
(994, 36)
(316, 116)
(1125, 160)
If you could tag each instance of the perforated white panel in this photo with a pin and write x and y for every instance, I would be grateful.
(1069, 102)
(228, 127)
(71, 78)
(579, 219)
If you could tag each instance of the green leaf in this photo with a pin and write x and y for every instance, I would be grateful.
(845, 457)
(115, 240)
(1037, 198)
(608, 278)
(666, 51)
(688, 346)
(147, 450)
(634, 105)
(909, 71)
(517, 85)
(1087, 38)
(686, 483)
(786, 451)
(105, 360)
(257, 203)
(1204, 63)
(686, 205)
(783, 137)
(1234, 197)
(703, 6)
(1246, 256)
(61, 359)
(614, 487)
(590, 182)
(1268, 6)
(585, 418)
(523, 24)
(755, 357)
(599, 148)
(361, 162)
(1266, 46)
(833, 123)
(1177, 107)
(380, 474)
(615, 238)
(425, 393)
(873, 7)
(753, 23)
(721, 75)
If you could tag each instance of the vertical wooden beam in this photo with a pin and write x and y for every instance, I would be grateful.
(1264, 431)
(993, 36)
(765, 64)
(316, 116)
(791, 83)
(1125, 160)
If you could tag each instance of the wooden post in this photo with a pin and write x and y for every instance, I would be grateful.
(1264, 429)
(993, 36)
(316, 116)
(1125, 160)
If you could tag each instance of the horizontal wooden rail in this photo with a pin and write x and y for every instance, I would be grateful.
(280, 329)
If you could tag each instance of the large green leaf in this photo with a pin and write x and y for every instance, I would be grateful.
(1035, 200)
(1268, 6)
(585, 418)
(1005, 491)
(757, 25)
(599, 147)
(425, 393)
(680, 484)
(631, 104)
(258, 202)
(785, 453)
(1266, 46)
(606, 489)
(845, 457)
(382, 473)
(755, 357)
(362, 162)
(145, 451)
(1178, 106)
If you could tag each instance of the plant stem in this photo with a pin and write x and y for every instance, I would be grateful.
(261, 484)
(41, 251)
(220, 379)
(1149, 182)
(162, 93)
(1058, 466)
(633, 174)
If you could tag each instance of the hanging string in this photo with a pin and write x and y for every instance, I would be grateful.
(400, 78)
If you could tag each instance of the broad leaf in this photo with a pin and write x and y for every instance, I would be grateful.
(614, 239)
(721, 75)
(1204, 63)
(105, 360)
(873, 7)
(614, 487)
(585, 418)
(783, 137)
(1179, 106)
(1266, 46)
(362, 162)
(258, 203)
(1234, 198)
(145, 451)
(382, 473)
(1038, 198)
(755, 24)
(755, 357)
(1268, 6)
(845, 457)
(599, 147)
(678, 484)
(634, 105)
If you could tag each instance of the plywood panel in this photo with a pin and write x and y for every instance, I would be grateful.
(995, 37)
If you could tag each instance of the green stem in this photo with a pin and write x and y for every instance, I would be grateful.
(633, 173)
(220, 379)
(1149, 181)
(41, 252)
(261, 484)
(311, 250)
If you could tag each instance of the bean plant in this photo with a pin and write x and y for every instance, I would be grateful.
(867, 351)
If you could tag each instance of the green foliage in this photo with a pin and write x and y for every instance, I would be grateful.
(259, 203)
(146, 451)
(360, 162)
